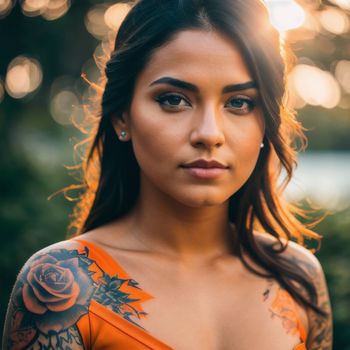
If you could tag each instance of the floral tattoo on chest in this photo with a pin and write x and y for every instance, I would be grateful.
(282, 306)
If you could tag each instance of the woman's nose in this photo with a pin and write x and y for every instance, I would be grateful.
(208, 130)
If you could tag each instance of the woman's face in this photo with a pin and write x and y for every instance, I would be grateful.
(194, 120)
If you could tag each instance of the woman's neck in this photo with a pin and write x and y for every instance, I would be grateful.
(172, 228)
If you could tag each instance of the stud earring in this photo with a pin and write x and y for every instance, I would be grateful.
(123, 135)
(262, 145)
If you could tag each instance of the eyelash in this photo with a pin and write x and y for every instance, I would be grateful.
(166, 96)
(251, 103)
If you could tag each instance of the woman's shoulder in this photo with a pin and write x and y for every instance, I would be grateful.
(319, 326)
(57, 287)
(296, 257)
(294, 252)
(52, 292)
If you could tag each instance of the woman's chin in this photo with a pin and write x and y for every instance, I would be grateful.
(203, 201)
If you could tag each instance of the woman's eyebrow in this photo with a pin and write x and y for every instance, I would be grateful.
(239, 87)
(188, 86)
(177, 83)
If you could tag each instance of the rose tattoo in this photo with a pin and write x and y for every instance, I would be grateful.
(54, 287)
(54, 291)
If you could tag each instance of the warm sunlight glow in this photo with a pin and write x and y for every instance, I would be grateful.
(115, 15)
(293, 100)
(285, 15)
(334, 20)
(315, 86)
(24, 75)
(342, 73)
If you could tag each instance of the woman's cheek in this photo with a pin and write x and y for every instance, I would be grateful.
(152, 155)
(154, 139)
(246, 154)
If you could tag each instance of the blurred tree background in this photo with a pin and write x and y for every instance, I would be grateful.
(47, 44)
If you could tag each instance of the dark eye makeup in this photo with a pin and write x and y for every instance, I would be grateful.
(172, 100)
(241, 104)
(175, 101)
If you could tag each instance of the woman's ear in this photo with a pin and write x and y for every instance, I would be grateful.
(120, 126)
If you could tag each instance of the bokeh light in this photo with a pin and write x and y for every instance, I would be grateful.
(102, 20)
(95, 22)
(49, 9)
(285, 15)
(115, 15)
(56, 9)
(62, 106)
(334, 20)
(315, 86)
(24, 75)
(5, 7)
(293, 100)
(33, 8)
(342, 73)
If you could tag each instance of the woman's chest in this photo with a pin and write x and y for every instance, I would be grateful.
(217, 306)
(218, 311)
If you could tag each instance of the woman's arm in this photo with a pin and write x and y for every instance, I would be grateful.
(51, 294)
(320, 335)
(320, 328)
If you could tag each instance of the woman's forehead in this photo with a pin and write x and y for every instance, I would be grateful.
(194, 53)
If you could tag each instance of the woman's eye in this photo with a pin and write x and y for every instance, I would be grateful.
(241, 105)
(172, 100)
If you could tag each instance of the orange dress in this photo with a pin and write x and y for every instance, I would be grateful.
(102, 328)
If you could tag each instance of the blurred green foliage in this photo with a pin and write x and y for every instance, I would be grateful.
(326, 130)
(34, 148)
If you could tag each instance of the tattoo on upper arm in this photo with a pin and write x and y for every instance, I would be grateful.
(54, 291)
(321, 332)
(50, 296)
(320, 335)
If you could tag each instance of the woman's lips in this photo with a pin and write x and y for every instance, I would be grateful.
(205, 169)
(204, 173)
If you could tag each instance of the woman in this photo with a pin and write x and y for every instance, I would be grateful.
(181, 172)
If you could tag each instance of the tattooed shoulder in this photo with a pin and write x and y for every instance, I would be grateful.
(320, 334)
(52, 292)
(320, 329)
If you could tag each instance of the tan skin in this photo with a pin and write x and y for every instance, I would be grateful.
(175, 243)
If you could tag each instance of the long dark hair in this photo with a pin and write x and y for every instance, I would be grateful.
(112, 175)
